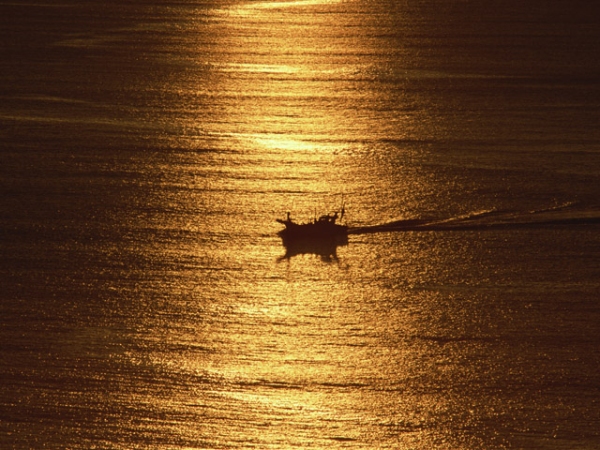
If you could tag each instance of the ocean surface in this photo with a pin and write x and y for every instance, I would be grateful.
(147, 301)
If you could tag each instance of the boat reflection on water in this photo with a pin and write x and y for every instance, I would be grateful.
(320, 237)
(324, 247)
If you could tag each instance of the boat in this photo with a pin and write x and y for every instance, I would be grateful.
(323, 228)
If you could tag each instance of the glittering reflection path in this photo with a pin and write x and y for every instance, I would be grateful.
(299, 359)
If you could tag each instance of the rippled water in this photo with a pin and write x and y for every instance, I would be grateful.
(147, 301)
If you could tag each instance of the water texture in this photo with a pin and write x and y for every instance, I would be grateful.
(146, 149)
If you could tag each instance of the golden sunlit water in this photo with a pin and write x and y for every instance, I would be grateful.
(148, 301)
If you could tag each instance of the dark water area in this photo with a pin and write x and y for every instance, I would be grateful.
(147, 301)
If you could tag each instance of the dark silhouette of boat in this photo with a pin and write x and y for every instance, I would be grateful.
(319, 237)
(323, 228)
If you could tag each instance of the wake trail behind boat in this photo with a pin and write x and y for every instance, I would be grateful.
(491, 220)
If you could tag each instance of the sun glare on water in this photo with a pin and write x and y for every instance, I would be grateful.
(254, 8)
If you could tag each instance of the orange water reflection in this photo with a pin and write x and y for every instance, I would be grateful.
(295, 354)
